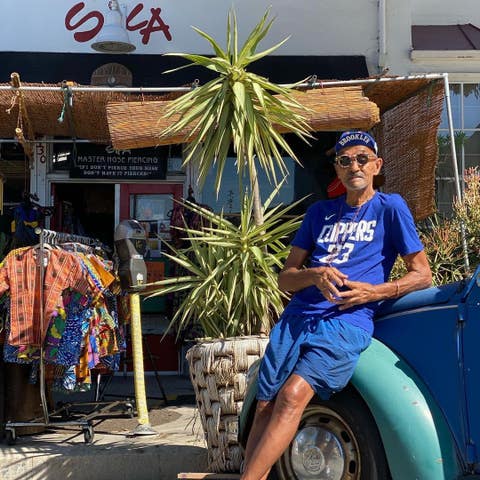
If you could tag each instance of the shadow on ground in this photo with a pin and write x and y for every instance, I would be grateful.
(137, 461)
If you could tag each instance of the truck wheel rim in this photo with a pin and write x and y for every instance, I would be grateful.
(324, 448)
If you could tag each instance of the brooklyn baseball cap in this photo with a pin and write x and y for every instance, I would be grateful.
(349, 139)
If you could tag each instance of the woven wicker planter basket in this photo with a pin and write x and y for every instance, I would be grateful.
(218, 371)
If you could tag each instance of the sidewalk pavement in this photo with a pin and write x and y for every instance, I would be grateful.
(177, 446)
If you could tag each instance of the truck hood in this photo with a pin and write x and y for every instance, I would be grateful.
(421, 298)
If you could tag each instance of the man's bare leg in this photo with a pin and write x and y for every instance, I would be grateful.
(263, 413)
(289, 405)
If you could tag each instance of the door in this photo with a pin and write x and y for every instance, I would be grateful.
(151, 205)
(84, 209)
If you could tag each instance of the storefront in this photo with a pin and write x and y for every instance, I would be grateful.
(91, 188)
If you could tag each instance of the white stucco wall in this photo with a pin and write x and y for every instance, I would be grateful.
(327, 27)
(444, 12)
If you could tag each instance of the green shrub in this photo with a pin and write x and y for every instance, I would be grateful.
(442, 237)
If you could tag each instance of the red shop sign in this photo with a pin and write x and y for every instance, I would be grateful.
(145, 27)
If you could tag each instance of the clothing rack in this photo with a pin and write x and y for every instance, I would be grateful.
(50, 237)
(55, 238)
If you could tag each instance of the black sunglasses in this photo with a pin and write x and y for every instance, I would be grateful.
(345, 161)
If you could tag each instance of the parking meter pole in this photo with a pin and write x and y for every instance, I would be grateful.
(143, 427)
(130, 245)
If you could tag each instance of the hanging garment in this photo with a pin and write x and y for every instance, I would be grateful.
(64, 336)
(26, 218)
(81, 328)
(21, 275)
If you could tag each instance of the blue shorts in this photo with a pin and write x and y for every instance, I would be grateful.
(324, 352)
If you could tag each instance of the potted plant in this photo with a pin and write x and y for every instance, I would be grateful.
(230, 286)
(231, 270)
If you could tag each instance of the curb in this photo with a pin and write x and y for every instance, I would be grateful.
(112, 456)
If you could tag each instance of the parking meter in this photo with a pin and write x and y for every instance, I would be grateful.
(131, 243)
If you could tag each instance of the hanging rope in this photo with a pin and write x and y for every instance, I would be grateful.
(67, 108)
(67, 100)
(23, 121)
(13, 102)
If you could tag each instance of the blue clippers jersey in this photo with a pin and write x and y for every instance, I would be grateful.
(361, 242)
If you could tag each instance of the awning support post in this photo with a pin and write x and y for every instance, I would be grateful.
(458, 190)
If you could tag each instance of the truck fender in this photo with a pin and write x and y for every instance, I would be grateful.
(245, 419)
(415, 435)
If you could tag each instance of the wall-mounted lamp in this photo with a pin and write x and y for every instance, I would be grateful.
(113, 37)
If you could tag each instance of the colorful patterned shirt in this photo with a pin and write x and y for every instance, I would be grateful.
(20, 274)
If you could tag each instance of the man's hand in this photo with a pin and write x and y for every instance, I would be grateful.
(358, 293)
(295, 277)
(418, 276)
(327, 279)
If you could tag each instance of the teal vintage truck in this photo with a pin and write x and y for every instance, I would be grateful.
(411, 410)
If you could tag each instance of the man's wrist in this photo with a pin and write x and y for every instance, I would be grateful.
(395, 286)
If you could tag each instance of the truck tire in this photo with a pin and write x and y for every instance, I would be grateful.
(336, 440)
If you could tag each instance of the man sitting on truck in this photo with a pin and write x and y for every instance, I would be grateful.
(351, 243)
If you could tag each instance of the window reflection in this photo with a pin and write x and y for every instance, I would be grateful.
(228, 196)
(456, 104)
(471, 105)
(153, 212)
(465, 101)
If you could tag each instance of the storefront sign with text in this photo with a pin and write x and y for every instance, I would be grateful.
(93, 161)
(146, 23)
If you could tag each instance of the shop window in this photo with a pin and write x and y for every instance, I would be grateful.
(307, 180)
(175, 160)
(14, 167)
(228, 196)
(465, 101)
(153, 212)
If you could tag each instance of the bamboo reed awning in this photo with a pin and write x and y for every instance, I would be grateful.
(140, 124)
(407, 140)
(404, 113)
(100, 116)
(60, 113)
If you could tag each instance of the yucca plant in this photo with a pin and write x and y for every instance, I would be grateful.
(230, 287)
(241, 109)
(237, 108)
(230, 284)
